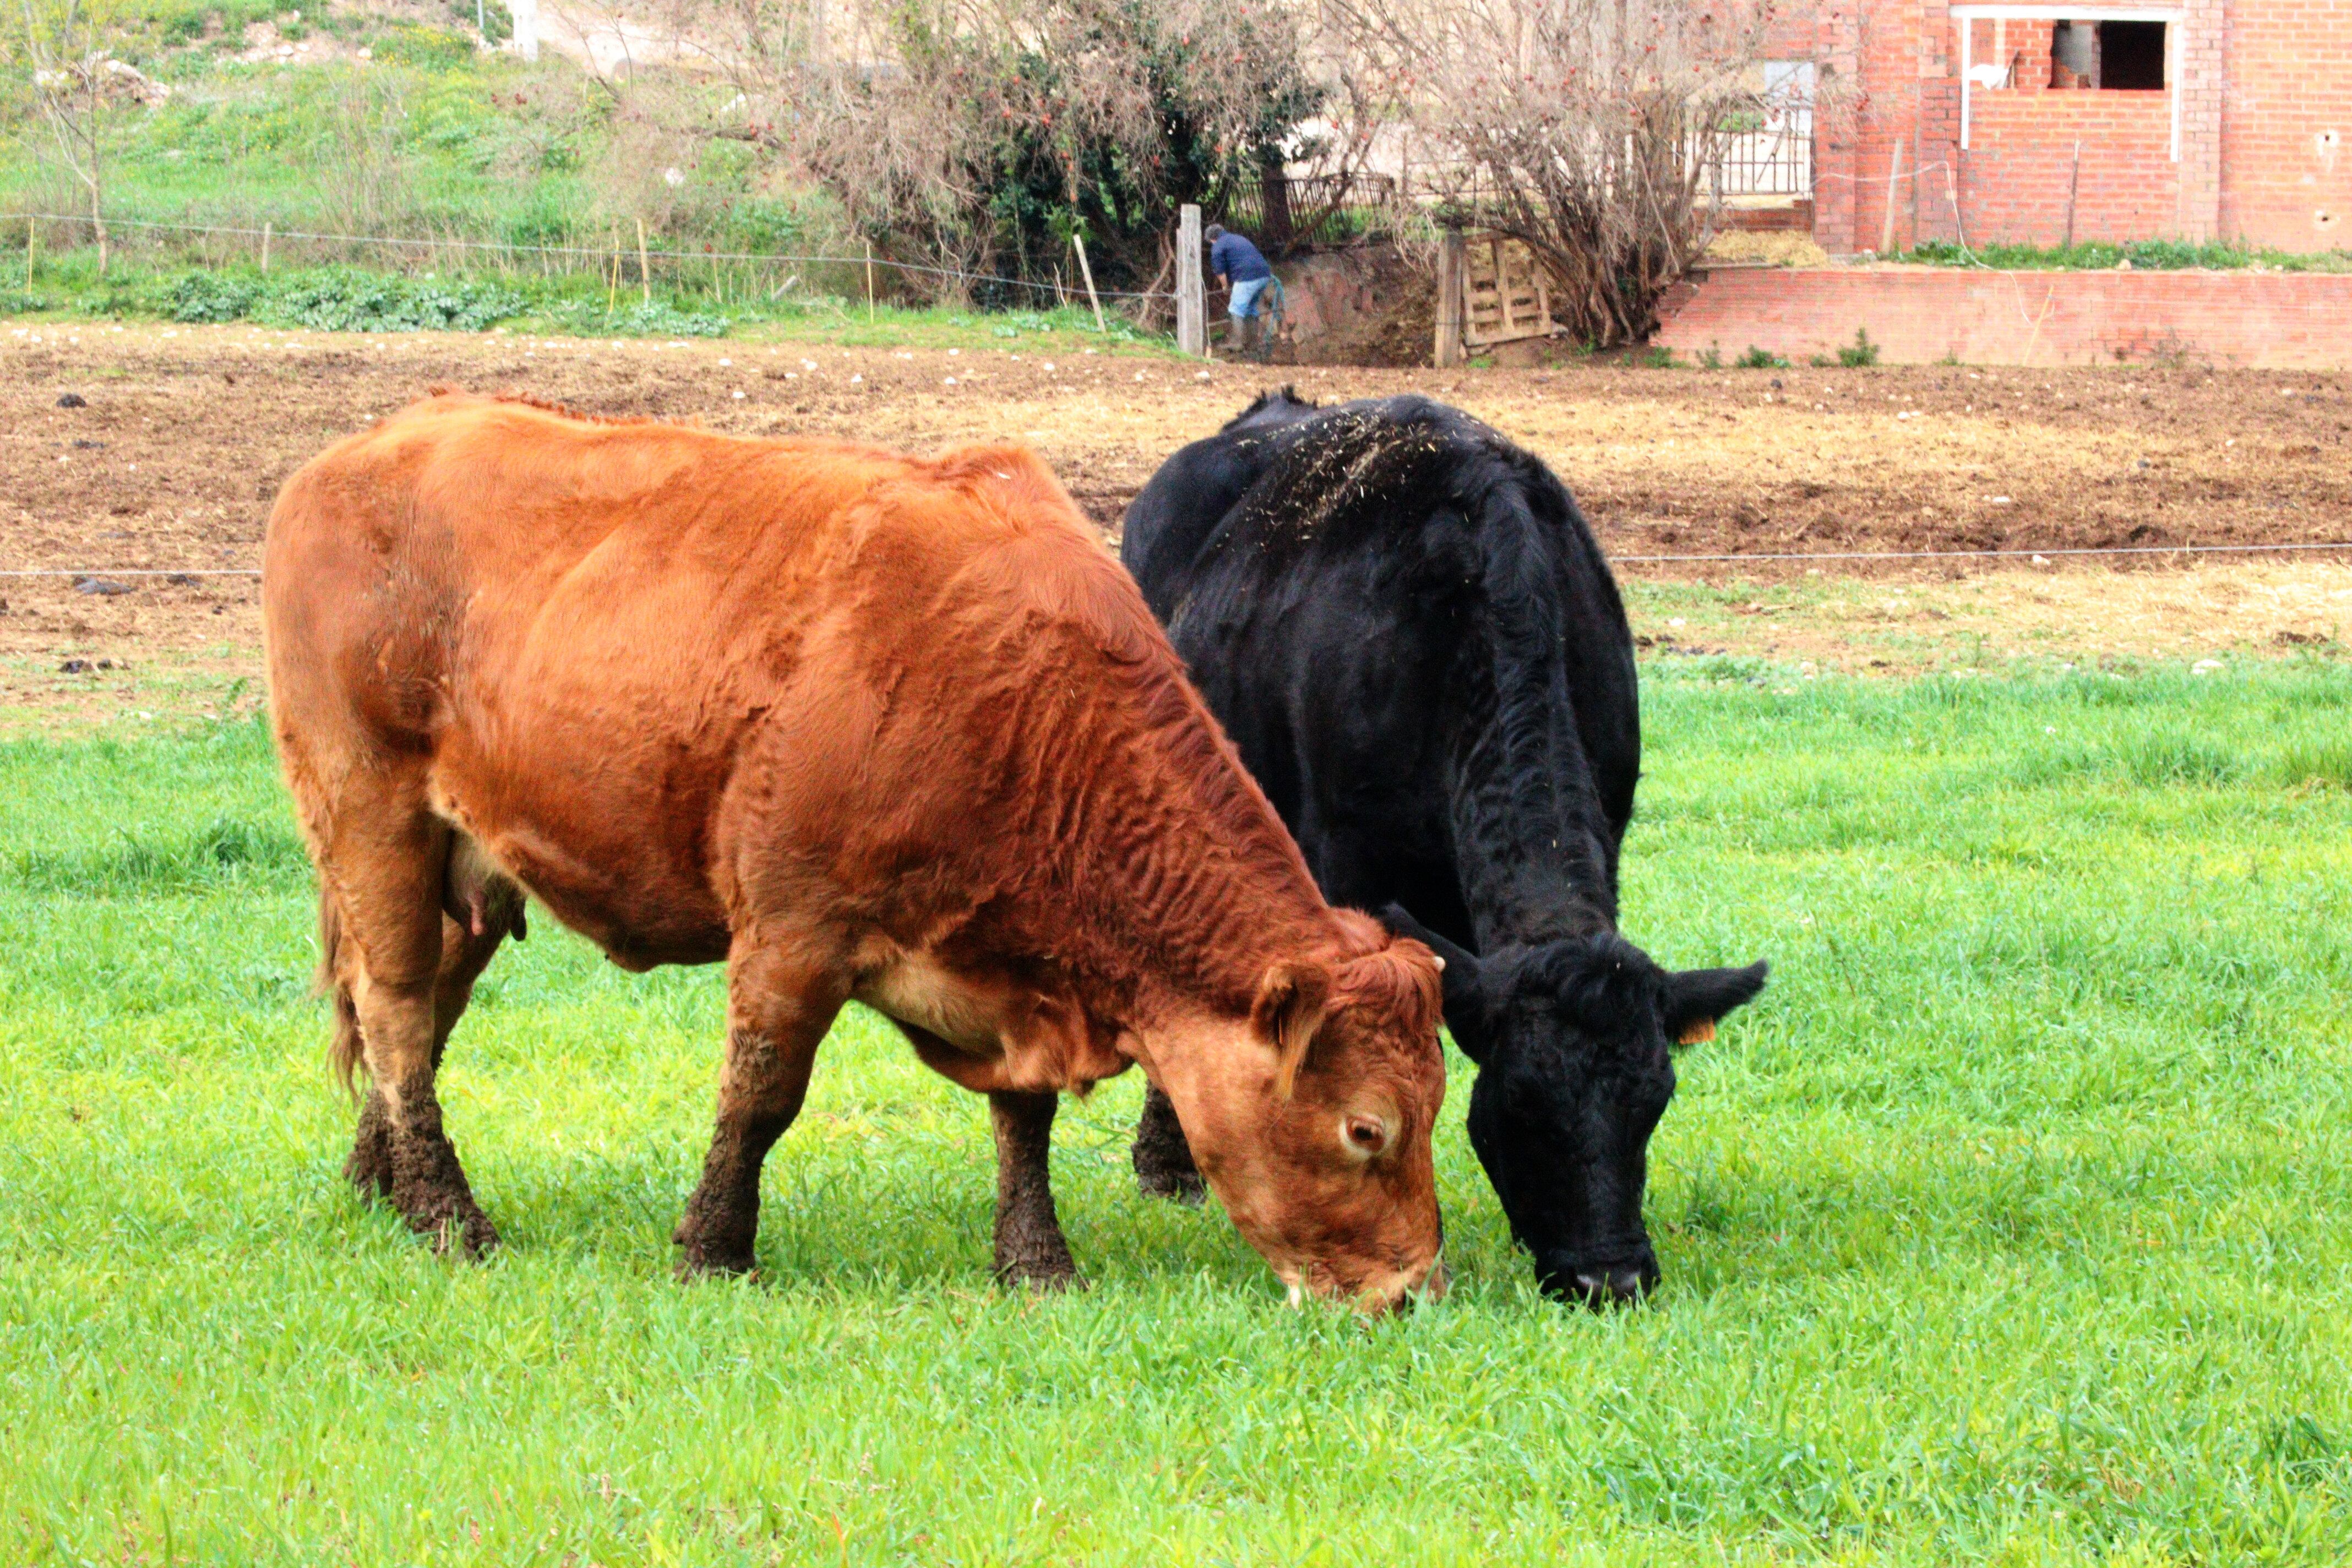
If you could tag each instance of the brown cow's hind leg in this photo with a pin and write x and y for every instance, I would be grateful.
(467, 949)
(778, 1012)
(390, 968)
(1030, 1249)
(1163, 1161)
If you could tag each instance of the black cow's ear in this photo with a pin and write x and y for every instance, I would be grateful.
(1464, 977)
(1695, 998)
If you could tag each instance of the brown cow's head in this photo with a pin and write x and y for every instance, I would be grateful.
(1317, 1139)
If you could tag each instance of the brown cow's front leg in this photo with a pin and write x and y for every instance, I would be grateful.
(1030, 1249)
(777, 1015)
(1163, 1161)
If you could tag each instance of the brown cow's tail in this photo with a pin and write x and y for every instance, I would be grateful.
(345, 1048)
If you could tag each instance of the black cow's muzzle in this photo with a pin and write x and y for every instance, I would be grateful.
(1598, 1283)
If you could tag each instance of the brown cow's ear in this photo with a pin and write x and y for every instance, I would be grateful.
(1292, 1002)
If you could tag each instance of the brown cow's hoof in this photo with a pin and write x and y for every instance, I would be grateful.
(715, 1250)
(429, 1189)
(1030, 1250)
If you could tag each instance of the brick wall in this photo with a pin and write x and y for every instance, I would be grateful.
(2266, 155)
(1918, 315)
(2016, 175)
(2288, 85)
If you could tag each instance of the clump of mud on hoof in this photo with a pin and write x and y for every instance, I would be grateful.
(718, 1245)
(1042, 1267)
(429, 1189)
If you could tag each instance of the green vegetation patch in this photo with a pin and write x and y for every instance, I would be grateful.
(2008, 1225)
(2160, 255)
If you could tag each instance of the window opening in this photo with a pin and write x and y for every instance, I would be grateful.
(2129, 57)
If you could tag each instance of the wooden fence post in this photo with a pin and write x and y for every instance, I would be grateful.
(1191, 306)
(1086, 270)
(265, 228)
(645, 267)
(1452, 295)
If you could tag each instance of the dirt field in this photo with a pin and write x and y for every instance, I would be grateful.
(185, 433)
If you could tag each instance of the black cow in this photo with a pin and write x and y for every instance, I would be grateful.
(1412, 636)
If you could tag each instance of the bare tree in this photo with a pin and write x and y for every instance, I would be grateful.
(64, 43)
(1585, 128)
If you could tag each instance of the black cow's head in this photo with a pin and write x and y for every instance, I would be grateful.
(1272, 410)
(1572, 1041)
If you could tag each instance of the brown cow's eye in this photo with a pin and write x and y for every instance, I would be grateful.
(1367, 1134)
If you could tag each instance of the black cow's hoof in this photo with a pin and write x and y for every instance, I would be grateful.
(1184, 1186)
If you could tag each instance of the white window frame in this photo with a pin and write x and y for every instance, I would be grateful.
(1965, 17)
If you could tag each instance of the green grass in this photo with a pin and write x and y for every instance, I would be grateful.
(2009, 1226)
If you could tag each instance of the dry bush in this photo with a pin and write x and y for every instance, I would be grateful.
(1583, 128)
(976, 136)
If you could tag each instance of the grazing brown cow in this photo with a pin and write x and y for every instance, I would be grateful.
(863, 726)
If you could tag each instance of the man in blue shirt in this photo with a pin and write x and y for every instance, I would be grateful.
(1238, 266)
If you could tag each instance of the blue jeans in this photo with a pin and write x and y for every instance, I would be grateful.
(1243, 304)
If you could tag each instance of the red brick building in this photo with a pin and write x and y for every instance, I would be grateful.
(2193, 120)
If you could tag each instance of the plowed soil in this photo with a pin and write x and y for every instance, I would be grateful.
(185, 434)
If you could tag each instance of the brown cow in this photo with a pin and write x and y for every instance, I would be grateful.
(863, 726)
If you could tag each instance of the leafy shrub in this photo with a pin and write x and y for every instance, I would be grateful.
(1861, 351)
(337, 300)
(659, 319)
(341, 299)
(210, 296)
(17, 303)
(1761, 359)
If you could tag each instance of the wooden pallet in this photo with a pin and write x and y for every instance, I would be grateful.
(1508, 293)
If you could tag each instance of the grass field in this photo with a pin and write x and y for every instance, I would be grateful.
(2010, 1226)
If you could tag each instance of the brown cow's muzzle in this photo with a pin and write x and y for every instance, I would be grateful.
(1396, 1291)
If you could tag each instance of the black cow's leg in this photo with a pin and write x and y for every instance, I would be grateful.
(1163, 1161)
(1030, 1249)
(778, 1012)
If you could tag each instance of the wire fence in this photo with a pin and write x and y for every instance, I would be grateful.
(628, 264)
(2044, 553)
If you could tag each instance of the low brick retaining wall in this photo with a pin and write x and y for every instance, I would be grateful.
(2281, 321)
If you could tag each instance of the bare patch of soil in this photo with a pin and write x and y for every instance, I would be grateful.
(185, 434)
